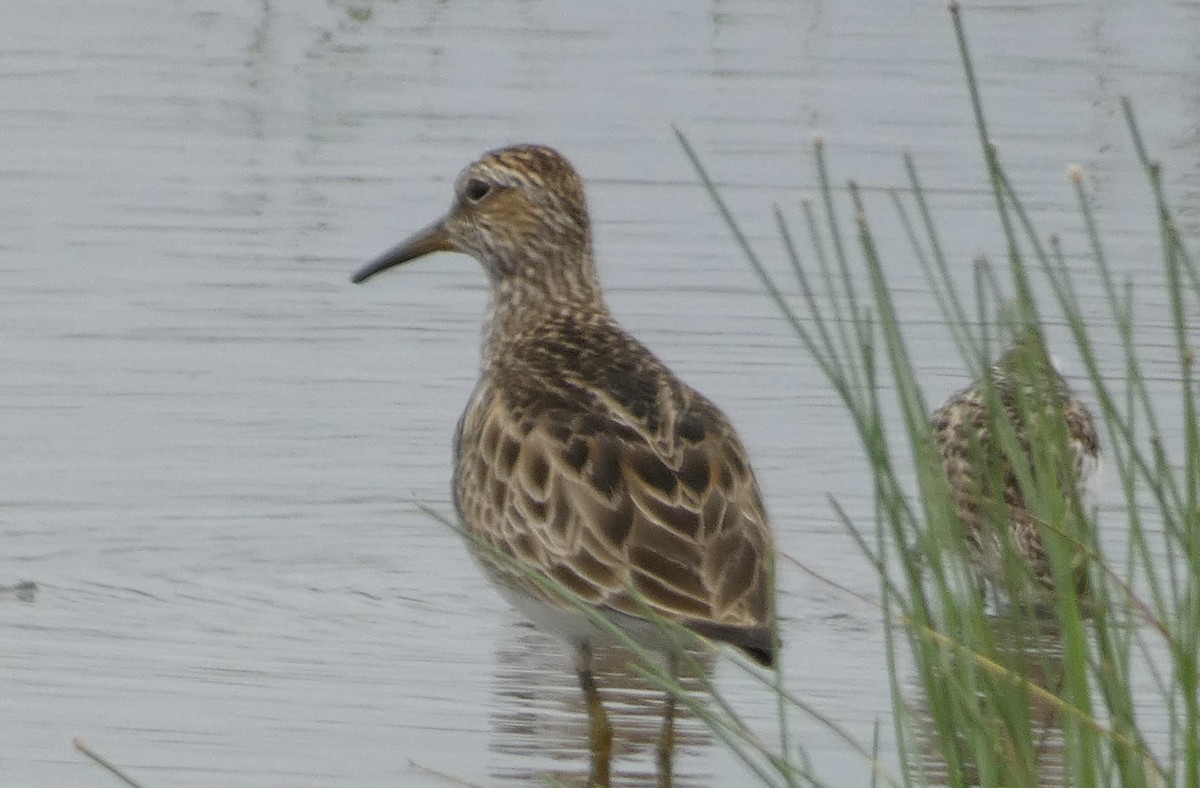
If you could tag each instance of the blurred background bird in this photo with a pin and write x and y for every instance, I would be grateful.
(1020, 454)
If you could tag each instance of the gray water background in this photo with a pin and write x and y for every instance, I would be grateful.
(213, 447)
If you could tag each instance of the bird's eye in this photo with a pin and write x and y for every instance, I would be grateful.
(476, 189)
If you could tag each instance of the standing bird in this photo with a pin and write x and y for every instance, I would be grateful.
(580, 456)
(982, 469)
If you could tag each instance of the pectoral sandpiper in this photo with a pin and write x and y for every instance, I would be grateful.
(986, 490)
(580, 456)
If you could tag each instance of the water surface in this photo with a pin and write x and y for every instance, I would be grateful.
(214, 446)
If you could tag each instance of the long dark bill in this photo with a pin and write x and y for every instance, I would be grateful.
(432, 239)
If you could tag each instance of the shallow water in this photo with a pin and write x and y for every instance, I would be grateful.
(214, 446)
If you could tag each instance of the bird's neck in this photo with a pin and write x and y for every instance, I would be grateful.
(537, 293)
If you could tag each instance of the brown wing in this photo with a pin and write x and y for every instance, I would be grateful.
(599, 506)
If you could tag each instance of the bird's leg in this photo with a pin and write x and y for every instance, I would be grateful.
(981, 589)
(601, 732)
(666, 740)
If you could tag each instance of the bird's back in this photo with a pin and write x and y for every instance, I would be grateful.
(985, 486)
(584, 458)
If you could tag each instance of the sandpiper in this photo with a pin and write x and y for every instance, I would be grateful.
(580, 456)
(984, 482)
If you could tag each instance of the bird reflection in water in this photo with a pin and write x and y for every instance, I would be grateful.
(1028, 650)
(539, 719)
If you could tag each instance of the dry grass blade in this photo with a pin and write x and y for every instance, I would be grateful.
(100, 760)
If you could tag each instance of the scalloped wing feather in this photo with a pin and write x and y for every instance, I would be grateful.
(601, 507)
